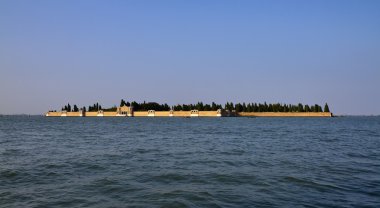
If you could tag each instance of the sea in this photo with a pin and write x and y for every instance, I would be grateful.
(189, 162)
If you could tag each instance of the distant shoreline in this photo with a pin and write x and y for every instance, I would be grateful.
(334, 115)
(193, 113)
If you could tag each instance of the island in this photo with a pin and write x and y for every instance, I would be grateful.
(154, 109)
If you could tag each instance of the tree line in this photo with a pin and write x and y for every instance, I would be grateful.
(69, 109)
(92, 108)
(145, 106)
(96, 107)
(275, 107)
(199, 106)
(238, 107)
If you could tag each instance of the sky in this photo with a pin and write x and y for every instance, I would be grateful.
(81, 52)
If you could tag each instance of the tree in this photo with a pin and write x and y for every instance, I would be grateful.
(327, 109)
(270, 108)
(255, 108)
(199, 106)
(286, 108)
(68, 107)
(166, 107)
(265, 107)
(300, 107)
(75, 108)
(213, 106)
(238, 107)
(307, 108)
(316, 108)
(244, 107)
(249, 107)
(122, 103)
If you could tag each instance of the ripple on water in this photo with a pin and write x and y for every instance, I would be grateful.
(313, 184)
(169, 162)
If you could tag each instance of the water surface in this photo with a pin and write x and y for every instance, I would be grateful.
(196, 162)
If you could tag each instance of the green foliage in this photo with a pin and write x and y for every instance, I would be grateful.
(316, 108)
(300, 108)
(214, 107)
(149, 106)
(327, 109)
(94, 108)
(307, 108)
(123, 103)
(112, 109)
(67, 107)
(238, 107)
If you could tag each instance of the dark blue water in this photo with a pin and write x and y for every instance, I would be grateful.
(197, 162)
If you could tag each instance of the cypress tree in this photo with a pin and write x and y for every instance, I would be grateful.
(238, 107)
(300, 107)
(307, 108)
(244, 107)
(270, 108)
(315, 108)
(265, 107)
(122, 103)
(213, 106)
(75, 108)
(286, 109)
(277, 107)
(249, 107)
(327, 109)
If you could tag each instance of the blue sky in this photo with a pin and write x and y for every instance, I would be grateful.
(55, 52)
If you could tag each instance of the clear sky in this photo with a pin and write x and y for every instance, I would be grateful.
(55, 52)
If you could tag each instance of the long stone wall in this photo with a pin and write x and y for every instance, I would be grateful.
(140, 113)
(175, 114)
(208, 113)
(64, 114)
(73, 114)
(162, 113)
(54, 114)
(109, 113)
(151, 114)
(181, 113)
(91, 114)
